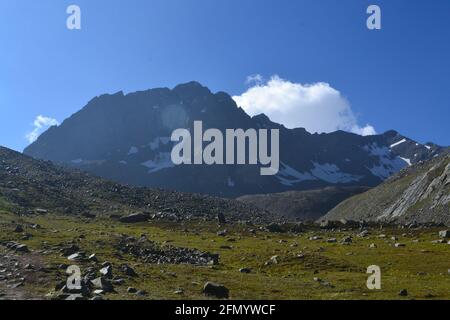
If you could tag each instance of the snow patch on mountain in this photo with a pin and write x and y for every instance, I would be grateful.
(160, 162)
(88, 162)
(332, 173)
(133, 150)
(397, 143)
(158, 141)
(388, 164)
(288, 176)
(408, 161)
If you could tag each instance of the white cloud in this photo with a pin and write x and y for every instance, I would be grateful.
(41, 123)
(254, 79)
(316, 107)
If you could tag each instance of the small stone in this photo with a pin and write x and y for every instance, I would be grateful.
(399, 245)
(222, 233)
(75, 257)
(245, 270)
(22, 248)
(444, 234)
(102, 284)
(129, 271)
(142, 293)
(403, 293)
(29, 267)
(107, 272)
(92, 258)
(347, 240)
(274, 259)
(131, 290)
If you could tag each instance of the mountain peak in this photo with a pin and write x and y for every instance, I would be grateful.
(191, 90)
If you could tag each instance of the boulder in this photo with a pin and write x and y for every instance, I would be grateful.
(134, 218)
(216, 290)
(127, 270)
(444, 234)
(102, 284)
(22, 248)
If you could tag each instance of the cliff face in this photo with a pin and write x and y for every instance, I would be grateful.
(420, 193)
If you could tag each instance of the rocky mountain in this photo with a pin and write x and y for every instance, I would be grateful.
(308, 205)
(126, 138)
(30, 186)
(420, 193)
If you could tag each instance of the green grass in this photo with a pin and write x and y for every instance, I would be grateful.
(292, 278)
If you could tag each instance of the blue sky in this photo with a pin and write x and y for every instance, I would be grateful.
(395, 78)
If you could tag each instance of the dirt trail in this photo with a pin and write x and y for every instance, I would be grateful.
(17, 272)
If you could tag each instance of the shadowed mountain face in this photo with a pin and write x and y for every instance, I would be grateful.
(419, 194)
(126, 138)
(307, 205)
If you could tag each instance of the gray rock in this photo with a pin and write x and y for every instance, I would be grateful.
(131, 290)
(444, 234)
(347, 240)
(216, 290)
(245, 270)
(22, 248)
(134, 218)
(76, 257)
(75, 297)
(222, 233)
(221, 218)
(142, 293)
(403, 293)
(107, 272)
(102, 284)
(126, 269)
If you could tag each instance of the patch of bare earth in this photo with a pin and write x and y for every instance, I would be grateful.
(19, 273)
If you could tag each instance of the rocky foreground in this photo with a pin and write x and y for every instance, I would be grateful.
(196, 259)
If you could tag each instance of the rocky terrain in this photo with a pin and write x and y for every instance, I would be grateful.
(417, 194)
(35, 186)
(196, 259)
(308, 205)
(126, 138)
